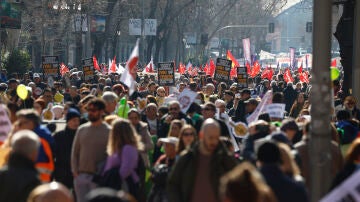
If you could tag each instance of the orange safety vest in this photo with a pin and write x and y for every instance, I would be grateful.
(46, 168)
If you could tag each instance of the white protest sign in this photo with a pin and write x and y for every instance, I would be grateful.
(134, 26)
(186, 98)
(150, 27)
(276, 110)
(349, 190)
(5, 124)
(261, 108)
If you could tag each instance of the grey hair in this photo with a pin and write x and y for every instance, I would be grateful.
(109, 97)
(25, 142)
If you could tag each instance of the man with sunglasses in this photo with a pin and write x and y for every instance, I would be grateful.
(208, 112)
(89, 148)
(174, 113)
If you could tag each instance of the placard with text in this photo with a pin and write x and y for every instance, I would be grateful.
(222, 70)
(88, 68)
(50, 66)
(166, 74)
(242, 77)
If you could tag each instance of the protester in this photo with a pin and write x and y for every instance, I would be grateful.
(284, 187)
(187, 184)
(123, 149)
(142, 130)
(89, 148)
(187, 138)
(29, 119)
(19, 177)
(244, 183)
(51, 192)
(63, 145)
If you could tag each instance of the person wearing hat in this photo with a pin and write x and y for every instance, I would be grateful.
(64, 141)
(229, 99)
(240, 112)
(250, 106)
(38, 82)
(169, 144)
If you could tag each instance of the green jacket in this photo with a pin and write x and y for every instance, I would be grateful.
(182, 177)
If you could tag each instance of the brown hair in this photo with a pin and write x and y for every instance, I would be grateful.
(121, 134)
(181, 146)
(244, 183)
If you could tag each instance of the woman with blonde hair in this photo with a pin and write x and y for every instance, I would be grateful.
(244, 183)
(187, 137)
(123, 149)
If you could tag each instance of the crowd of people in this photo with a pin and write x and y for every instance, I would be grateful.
(142, 147)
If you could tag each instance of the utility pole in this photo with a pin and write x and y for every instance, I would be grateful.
(321, 102)
(356, 53)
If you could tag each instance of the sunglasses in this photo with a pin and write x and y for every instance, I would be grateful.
(173, 109)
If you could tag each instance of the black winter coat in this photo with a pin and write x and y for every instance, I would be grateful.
(17, 179)
(63, 144)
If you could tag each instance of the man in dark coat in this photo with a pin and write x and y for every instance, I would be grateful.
(284, 187)
(196, 175)
(290, 96)
(63, 144)
(19, 177)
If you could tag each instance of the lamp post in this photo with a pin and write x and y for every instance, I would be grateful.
(117, 52)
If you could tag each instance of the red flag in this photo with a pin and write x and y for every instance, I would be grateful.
(63, 69)
(189, 69)
(96, 64)
(212, 68)
(304, 77)
(255, 70)
(113, 65)
(287, 76)
(234, 62)
(300, 69)
(129, 75)
(182, 68)
(149, 67)
(333, 63)
(206, 68)
(267, 73)
(233, 72)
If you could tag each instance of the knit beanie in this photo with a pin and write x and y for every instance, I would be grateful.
(72, 113)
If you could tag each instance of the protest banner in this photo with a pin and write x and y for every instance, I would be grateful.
(242, 77)
(276, 110)
(166, 73)
(50, 66)
(186, 98)
(349, 190)
(222, 70)
(88, 68)
(261, 108)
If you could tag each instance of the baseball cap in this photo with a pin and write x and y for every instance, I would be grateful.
(36, 75)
